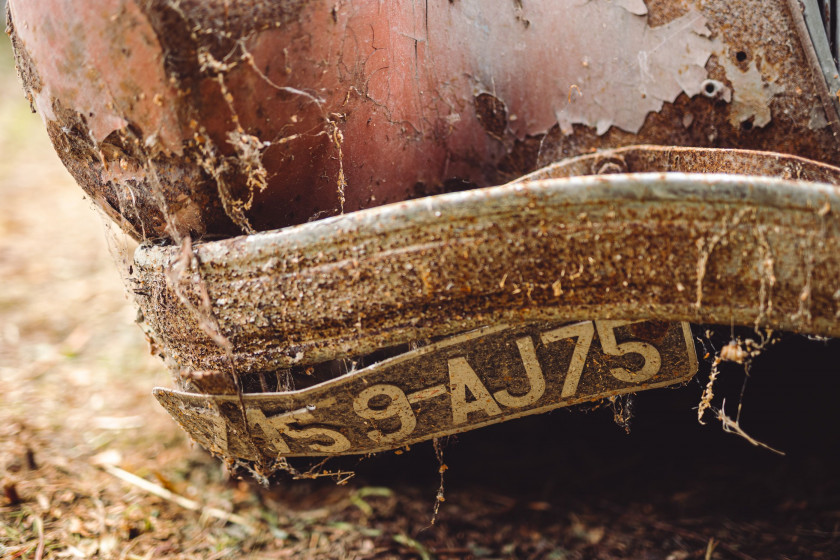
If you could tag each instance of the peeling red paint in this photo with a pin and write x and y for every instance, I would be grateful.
(103, 60)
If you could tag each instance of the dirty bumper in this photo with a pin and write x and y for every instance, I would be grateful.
(709, 249)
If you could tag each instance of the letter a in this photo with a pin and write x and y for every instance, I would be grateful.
(461, 378)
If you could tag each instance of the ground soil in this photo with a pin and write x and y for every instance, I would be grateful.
(76, 410)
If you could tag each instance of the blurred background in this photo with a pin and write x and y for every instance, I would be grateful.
(77, 420)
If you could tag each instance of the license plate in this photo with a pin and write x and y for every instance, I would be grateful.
(471, 380)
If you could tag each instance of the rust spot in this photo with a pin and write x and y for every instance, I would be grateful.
(492, 114)
(523, 157)
(649, 330)
(518, 10)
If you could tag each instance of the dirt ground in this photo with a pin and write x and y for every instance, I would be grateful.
(77, 420)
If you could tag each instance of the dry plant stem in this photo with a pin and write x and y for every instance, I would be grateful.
(340, 477)
(710, 548)
(442, 468)
(249, 147)
(708, 392)
(731, 426)
(39, 552)
(188, 263)
(733, 352)
(185, 503)
(700, 538)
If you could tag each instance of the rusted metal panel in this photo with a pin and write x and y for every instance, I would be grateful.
(212, 119)
(465, 382)
(714, 248)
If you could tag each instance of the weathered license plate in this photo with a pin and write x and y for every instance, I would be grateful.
(464, 382)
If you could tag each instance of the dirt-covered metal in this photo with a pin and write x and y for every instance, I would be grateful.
(705, 248)
(465, 382)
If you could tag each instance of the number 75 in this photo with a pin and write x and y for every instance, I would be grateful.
(584, 332)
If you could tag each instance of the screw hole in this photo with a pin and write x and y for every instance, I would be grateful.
(711, 88)
(740, 56)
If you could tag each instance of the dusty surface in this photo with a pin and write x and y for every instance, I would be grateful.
(702, 248)
(75, 381)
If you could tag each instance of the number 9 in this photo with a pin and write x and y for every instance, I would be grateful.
(398, 406)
